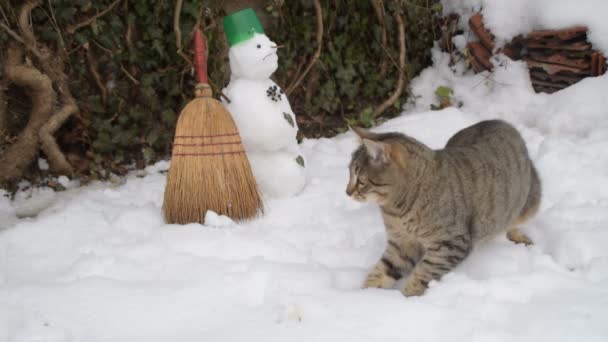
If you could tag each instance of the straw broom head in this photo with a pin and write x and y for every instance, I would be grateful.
(209, 168)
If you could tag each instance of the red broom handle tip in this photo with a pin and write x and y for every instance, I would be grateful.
(200, 56)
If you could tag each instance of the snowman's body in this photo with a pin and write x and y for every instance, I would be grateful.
(265, 120)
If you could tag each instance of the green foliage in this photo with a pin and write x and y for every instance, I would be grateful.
(444, 92)
(364, 119)
(444, 95)
(128, 115)
(355, 71)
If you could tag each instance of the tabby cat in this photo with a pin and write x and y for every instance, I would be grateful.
(437, 204)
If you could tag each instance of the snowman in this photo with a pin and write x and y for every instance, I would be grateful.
(265, 120)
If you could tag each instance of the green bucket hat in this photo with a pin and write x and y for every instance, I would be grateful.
(241, 26)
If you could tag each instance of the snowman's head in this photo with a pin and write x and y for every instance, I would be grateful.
(254, 59)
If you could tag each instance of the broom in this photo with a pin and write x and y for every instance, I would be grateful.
(209, 168)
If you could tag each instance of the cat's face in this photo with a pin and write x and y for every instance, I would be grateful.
(372, 170)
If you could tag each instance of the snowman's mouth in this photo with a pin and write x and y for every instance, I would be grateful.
(268, 55)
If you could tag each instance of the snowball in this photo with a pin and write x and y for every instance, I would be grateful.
(43, 164)
(278, 174)
(215, 220)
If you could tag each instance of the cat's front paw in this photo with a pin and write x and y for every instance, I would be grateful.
(414, 287)
(378, 280)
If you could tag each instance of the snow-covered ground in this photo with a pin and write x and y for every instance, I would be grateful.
(99, 264)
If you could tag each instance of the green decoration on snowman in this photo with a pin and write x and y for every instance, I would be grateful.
(260, 109)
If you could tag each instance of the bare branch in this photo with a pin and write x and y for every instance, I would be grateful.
(3, 15)
(380, 14)
(12, 33)
(2, 113)
(93, 69)
(129, 76)
(176, 28)
(56, 25)
(401, 81)
(178, 31)
(74, 28)
(315, 57)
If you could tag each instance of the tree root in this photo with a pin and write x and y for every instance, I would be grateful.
(18, 156)
(44, 119)
(57, 160)
(402, 73)
(93, 70)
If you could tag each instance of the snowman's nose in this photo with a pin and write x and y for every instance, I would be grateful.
(277, 46)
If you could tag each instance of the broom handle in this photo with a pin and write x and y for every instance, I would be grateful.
(200, 56)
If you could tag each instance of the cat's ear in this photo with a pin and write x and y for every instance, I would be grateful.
(378, 151)
(361, 132)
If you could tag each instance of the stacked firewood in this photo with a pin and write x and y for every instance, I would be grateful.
(556, 58)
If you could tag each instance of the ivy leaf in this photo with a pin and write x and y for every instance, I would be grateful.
(67, 13)
(95, 27)
(153, 137)
(366, 118)
(437, 8)
(95, 104)
(168, 116)
(300, 160)
(86, 5)
(289, 119)
(148, 153)
(444, 91)
(80, 38)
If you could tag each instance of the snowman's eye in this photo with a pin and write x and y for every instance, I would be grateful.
(259, 46)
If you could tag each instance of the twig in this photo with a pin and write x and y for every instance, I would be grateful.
(315, 57)
(105, 49)
(54, 20)
(93, 69)
(131, 78)
(199, 20)
(178, 31)
(297, 72)
(3, 116)
(178, 42)
(12, 33)
(393, 61)
(129, 36)
(74, 28)
(4, 15)
(218, 90)
(380, 14)
(391, 100)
